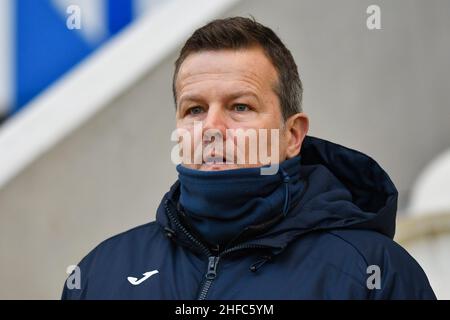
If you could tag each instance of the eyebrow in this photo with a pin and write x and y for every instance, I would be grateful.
(244, 93)
(233, 96)
(189, 97)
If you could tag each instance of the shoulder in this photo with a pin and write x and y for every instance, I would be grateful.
(400, 274)
(148, 231)
(117, 255)
(126, 243)
(374, 247)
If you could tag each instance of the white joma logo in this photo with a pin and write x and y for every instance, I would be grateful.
(134, 281)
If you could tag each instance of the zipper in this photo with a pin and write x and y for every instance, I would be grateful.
(211, 272)
(244, 246)
(210, 275)
(175, 220)
(213, 261)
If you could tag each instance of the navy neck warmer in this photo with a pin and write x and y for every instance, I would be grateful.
(220, 205)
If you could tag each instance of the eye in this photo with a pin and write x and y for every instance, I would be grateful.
(241, 107)
(195, 110)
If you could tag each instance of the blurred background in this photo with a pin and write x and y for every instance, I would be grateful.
(86, 114)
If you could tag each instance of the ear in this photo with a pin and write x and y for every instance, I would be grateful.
(296, 128)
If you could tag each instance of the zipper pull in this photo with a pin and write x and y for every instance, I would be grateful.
(212, 268)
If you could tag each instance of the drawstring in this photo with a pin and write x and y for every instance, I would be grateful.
(258, 264)
(286, 179)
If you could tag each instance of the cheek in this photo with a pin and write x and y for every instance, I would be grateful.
(283, 145)
(276, 143)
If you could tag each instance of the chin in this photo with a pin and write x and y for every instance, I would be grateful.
(217, 167)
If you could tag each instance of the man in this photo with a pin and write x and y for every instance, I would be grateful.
(319, 227)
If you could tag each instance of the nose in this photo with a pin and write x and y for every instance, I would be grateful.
(215, 120)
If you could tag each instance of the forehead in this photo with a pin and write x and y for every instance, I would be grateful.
(233, 69)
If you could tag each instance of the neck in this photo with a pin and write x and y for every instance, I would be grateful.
(220, 205)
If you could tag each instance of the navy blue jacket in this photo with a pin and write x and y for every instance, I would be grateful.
(335, 244)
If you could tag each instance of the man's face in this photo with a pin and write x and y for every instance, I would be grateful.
(229, 89)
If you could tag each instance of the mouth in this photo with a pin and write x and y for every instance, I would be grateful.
(214, 160)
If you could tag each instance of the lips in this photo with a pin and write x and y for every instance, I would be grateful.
(216, 159)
